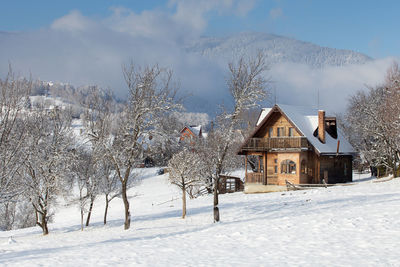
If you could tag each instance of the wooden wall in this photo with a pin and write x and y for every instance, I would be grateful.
(279, 178)
(337, 168)
(186, 134)
(276, 120)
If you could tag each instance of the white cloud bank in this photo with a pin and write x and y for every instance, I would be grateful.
(300, 85)
(82, 50)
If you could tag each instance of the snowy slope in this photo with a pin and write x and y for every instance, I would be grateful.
(277, 48)
(345, 225)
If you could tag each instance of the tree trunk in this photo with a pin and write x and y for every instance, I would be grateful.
(44, 223)
(7, 219)
(90, 211)
(106, 210)
(41, 219)
(394, 169)
(45, 229)
(81, 218)
(183, 202)
(216, 209)
(127, 223)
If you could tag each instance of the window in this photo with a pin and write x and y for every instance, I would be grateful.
(288, 166)
(291, 131)
(270, 132)
(275, 166)
(281, 131)
(303, 167)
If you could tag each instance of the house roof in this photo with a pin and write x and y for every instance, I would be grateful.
(195, 129)
(305, 119)
(264, 112)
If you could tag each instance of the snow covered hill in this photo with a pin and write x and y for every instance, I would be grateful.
(278, 49)
(343, 225)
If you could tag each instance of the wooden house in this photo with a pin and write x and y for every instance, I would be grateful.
(191, 133)
(297, 144)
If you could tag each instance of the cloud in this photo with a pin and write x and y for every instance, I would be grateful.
(276, 13)
(244, 7)
(299, 84)
(155, 24)
(193, 12)
(74, 21)
(81, 50)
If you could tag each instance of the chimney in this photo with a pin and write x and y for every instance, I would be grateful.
(321, 125)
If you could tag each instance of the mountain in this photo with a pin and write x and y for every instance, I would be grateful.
(277, 48)
(199, 66)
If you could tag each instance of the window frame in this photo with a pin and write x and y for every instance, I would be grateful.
(280, 131)
(288, 167)
(291, 131)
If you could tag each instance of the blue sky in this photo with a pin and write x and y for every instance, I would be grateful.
(86, 42)
(368, 26)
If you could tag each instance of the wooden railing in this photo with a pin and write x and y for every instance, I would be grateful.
(258, 178)
(265, 144)
(254, 177)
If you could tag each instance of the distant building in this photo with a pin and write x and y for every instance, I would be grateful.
(191, 133)
(299, 145)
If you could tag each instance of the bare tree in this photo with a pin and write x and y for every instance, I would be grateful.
(14, 100)
(186, 170)
(99, 119)
(121, 136)
(164, 139)
(83, 197)
(247, 86)
(391, 113)
(109, 185)
(46, 166)
(14, 96)
(151, 93)
(87, 173)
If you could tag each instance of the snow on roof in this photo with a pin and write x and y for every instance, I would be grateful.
(306, 120)
(195, 129)
(263, 113)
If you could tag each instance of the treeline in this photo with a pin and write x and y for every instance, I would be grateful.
(372, 123)
(43, 156)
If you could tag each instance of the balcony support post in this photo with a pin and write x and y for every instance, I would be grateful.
(245, 168)
(265, 168)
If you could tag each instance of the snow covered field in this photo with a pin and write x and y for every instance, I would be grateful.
(356, 225)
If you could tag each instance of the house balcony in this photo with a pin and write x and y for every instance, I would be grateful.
(258, 178)
(276, 143)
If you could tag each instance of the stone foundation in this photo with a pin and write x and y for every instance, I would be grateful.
(259, 188)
